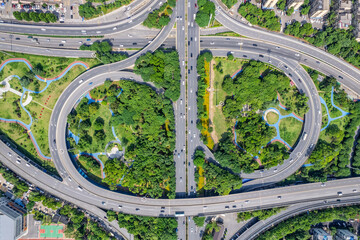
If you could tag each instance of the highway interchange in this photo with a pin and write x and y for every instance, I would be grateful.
(283, 52)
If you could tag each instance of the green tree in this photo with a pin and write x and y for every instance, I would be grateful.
(199, 221)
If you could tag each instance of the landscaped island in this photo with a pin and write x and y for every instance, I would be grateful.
(252, 115)
(129, 129)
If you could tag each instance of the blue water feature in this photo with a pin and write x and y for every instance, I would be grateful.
(113, 131)
(246, 180)
(28, 126)
(308, 165)
(343, 113)
(75, 137)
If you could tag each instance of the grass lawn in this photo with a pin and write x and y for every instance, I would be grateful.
(41, 103)
(272, 117)
(8, 104)
(103, 158)
(229, 67)
(41, 118)
(290, 130)
(341, 123)
(105, 114)
(94, 173)
(20, 137)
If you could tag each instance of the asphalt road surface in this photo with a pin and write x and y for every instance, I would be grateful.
(190, 206)
(79, 29)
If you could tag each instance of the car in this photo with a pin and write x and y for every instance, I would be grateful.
(296, 54)
(189, 164)
(28, 164)
(63, 41)
(137, 209)
(71, 7)
(178, 155)
(339, 193)
(69, 178)
(341, 77)
(103, 203)
(9, 154)
(255, 45)
(354, 190)
(285, 67)
(247, 201)
(212, 43)
(80, 42)
(227, 207)
(98, 32)
(191, 54)
(17, 38)
(61, 45)
(277, 47)
(18, 161)
(183, 28)
(183, 62)
(119, 207)
(80, 188)
(188, 71)
(180, 179)
(195, 5)
(279, 197)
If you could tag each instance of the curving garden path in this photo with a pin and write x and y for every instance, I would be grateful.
(28, 91)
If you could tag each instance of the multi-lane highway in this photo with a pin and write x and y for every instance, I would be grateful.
(189, 206)
(283, 52)
(252, 232)
(80, 29)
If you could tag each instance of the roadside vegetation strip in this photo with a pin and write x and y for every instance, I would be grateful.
(301, 224)
(88, 11)
(143, 227)
(203, 104)
(159, 18)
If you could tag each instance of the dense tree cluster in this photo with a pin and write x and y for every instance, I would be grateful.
(273, 155)
(260, 214)
(356, 158)
(257, 86)
(339, 42)
(253, 133)
(104, 52)
(163, 69)
(89, 162)
(303, 222)
(305, 7)
(228, 155)
(257, 16)
(87, 10)
(145, 121)
(48, 202)
(206, 10)
(217, 180)
(160, 17)
(19, 186)
(229, 3)
(35, 16)
(80, 227)
(148, 227)
(281, 4)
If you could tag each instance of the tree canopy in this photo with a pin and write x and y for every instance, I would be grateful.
(163, 69)
(206, 9)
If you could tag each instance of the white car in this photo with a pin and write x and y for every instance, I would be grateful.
(18, 161)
